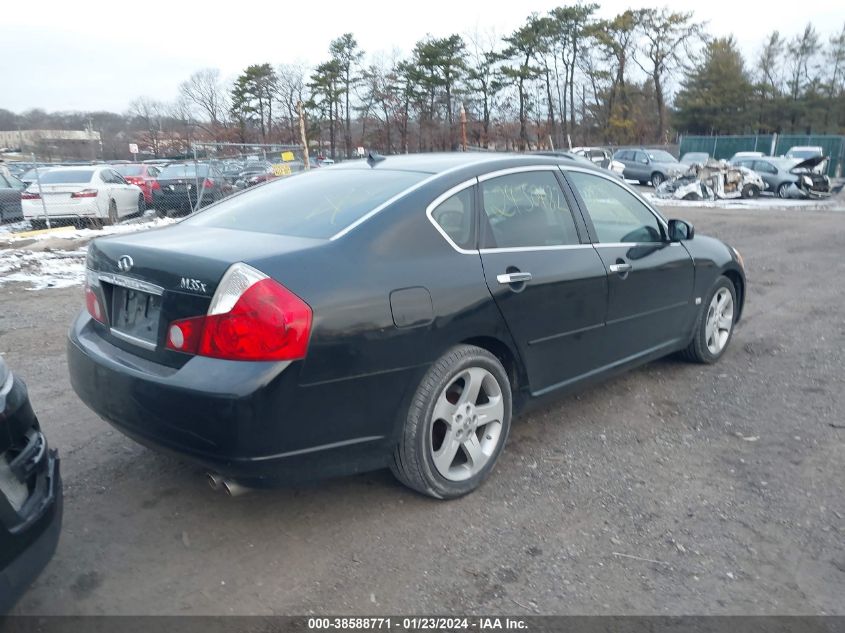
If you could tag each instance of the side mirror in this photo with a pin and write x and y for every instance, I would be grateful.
(680, 230)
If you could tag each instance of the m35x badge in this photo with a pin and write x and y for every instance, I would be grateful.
(194, 285)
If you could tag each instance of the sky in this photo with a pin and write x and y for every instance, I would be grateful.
(96, 55)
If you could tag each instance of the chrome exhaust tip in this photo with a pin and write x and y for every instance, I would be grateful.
(214, 480)
(234, 489)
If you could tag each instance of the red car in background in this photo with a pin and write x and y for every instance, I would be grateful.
(141, 175)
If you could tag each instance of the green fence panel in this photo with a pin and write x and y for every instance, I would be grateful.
(724, 147)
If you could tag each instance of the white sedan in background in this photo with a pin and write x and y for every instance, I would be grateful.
(95, 193)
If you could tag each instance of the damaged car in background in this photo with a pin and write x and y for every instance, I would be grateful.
(790, 177)
(711, 181)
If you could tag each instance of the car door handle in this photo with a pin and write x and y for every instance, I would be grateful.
(513, 278)
(621, 268)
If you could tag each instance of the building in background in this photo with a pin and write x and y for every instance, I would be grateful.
(50, 145)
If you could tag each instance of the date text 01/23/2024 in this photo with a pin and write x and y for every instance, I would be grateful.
(418, 623)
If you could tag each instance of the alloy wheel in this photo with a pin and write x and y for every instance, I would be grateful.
(720, 319)
(466, 425)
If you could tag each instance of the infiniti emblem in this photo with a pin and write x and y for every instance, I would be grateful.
(124, 264)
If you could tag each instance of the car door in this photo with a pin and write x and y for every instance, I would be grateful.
(547, 280)
(650, 279)
(626, 157)
(10, 199)
(769, 174)
(125, 194)
(641, 168)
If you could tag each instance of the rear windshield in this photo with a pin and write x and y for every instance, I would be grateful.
(129, 170)
(315, 204)
(660, 156)
(804, 153)
(62, 176)
(187, 170)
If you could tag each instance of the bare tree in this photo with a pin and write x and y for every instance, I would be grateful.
(150, 114)
(666, 39)
(205, 91)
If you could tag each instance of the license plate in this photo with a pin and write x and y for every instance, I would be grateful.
(136, 313)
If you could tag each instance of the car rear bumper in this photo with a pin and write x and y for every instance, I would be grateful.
(250, 421)
(29, 526)
(86, 208)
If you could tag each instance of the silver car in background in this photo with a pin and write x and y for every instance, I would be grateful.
(789, 177)
(649, 165)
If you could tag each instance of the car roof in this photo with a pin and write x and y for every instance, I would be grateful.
(436, 163)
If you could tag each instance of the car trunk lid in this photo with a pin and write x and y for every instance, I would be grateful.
(147, 280)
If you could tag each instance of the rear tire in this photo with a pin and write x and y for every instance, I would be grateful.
(448, 458)
(782, 190)
(38, 225)
(142, 204)
(714, 326)
(657, 179)
(750, 192)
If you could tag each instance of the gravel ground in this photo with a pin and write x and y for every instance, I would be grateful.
(676, 489)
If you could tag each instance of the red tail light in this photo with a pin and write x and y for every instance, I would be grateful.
(155, 185)
(208, 183)
(251, 317)
(26, 195)
(92, 302)
(134, 180)
(85, 193)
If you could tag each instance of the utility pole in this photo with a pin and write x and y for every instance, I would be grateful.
(41, 194)
(302, 136)
(463, 128)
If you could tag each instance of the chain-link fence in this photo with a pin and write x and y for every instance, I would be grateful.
(37, 194)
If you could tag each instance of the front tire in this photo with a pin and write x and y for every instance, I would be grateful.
(142, 204)
(112, 219)
(783, 190)
(657, 179)
(457, 424)
(715, 324)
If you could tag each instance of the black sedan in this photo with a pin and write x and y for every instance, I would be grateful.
(30, 492)
(183, 187)
(390, 312)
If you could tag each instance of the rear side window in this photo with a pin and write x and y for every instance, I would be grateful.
(527, 209)
(454, 216)
(317, 203)
(616, 214)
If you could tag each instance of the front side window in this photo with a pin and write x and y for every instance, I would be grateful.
(527, 209)
(616, 213)
(768, 168)
(454, 216)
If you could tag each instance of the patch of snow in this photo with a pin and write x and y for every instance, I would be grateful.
(14, 227)
(830, 204)
(56, 268)
(43, 269)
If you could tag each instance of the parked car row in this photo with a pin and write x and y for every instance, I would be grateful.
(797, 174)
(106, 193)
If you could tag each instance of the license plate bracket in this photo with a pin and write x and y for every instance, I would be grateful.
(136, 315)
